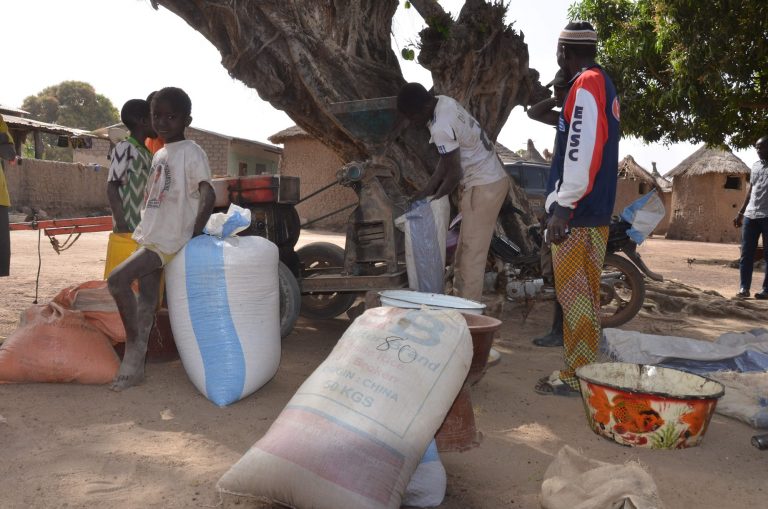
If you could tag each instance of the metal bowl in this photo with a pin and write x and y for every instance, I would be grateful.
(411, 299)
(647, 406)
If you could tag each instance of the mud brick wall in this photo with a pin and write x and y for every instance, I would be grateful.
(60, 189)
(317, 165)
(703, 210)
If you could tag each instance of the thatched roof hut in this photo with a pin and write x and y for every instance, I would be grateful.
(629, 169)
(708, 188)
(661, 181)
(635, 181)
(506, 155)
(291, 132)
(707, 161)
(532, 154)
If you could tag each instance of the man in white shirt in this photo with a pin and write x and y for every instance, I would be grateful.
(467, 159)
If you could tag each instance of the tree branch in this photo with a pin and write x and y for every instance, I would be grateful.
(302, 55)
(429, 10)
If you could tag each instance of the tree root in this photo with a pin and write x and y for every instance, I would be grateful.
(675, 297)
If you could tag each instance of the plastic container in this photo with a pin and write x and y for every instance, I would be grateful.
(647, 406)
(410, 299)
(119, 247)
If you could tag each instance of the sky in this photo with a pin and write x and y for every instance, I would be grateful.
(125, 49)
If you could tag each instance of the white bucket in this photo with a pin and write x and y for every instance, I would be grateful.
(410, 299)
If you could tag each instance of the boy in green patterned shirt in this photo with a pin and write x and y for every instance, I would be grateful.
(130, 162)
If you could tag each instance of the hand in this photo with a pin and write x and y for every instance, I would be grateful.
(738, 220)
(557, 230)
(420, 195)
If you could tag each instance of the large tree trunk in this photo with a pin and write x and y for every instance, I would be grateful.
(302, 55)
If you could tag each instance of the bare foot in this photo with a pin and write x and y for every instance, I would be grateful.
(131, 373)
(121, 382)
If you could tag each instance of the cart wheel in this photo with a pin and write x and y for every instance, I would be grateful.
(290, 299)
(323, 305)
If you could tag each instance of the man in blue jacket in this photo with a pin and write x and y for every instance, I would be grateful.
(581, 203)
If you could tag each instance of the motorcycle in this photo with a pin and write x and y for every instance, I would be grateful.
(622, 285)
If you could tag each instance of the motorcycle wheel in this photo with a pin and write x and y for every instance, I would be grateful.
(622, 291)
(324, 305)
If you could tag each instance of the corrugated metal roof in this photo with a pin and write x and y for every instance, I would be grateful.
(12, 111)
(36, 125)
(265, 146)
(122, 131)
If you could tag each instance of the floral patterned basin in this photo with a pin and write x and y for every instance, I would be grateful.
(647, 406)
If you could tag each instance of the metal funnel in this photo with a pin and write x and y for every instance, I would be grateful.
(370, 120)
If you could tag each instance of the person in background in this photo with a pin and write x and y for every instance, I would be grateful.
(544, 111)
(580, 205)
(178, 202)
(153, 142)
(467, 159)
(7, 153)
(130, 162)
(753, 221)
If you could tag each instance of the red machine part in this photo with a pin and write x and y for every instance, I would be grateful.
(52, 227)
(255, 189)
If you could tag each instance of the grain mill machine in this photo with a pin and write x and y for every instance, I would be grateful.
(373, 258)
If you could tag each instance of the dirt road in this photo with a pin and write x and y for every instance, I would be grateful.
(163, 445)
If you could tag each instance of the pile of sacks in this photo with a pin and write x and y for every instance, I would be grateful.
(68, 339)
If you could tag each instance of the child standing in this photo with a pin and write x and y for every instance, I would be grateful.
(129, 166)
(153, 142)
(178, 202)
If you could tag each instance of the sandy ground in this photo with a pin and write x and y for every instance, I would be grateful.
(163, 445)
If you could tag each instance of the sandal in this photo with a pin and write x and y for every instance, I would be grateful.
(547, 387)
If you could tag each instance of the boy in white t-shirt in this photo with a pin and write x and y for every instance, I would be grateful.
(467, 157)
(178, 202)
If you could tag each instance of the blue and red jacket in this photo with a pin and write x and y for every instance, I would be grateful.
(585, 166)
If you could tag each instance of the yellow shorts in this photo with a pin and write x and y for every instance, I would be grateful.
(164, 257)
